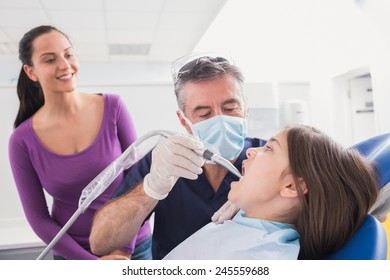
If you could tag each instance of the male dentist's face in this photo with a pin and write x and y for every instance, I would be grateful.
(207, 99)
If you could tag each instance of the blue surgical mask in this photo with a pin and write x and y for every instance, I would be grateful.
(224, 135)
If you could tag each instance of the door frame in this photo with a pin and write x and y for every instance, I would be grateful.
(342, 122)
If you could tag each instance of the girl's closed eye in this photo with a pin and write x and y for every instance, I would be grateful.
(268, 148)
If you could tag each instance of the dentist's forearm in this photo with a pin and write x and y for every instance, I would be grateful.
(118, 222)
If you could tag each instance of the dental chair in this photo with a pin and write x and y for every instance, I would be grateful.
(370, 241)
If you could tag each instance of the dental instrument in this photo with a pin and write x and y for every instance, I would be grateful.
(214, 157)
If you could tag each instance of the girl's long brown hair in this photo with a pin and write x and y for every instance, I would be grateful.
(342, 186)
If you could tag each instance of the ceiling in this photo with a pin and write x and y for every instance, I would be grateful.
(112, 30)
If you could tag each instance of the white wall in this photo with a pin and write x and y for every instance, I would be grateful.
(9, 206)
(14, 230)
(377, 12)
(275, 105)
(309, 41)
(358, 46)
(152, 106)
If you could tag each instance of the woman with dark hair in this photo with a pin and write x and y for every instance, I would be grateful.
(302, 196)
(61, 141)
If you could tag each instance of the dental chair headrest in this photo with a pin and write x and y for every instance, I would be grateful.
(377, 150)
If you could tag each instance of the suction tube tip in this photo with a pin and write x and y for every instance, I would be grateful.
(207, 154)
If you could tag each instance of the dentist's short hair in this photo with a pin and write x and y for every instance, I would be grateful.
(205, 68)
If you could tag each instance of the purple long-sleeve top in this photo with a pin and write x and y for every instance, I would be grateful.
(35, 168)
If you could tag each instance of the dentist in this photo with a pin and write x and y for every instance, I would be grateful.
(173, 182)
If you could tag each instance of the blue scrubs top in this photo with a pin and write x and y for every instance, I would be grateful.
(188, 207)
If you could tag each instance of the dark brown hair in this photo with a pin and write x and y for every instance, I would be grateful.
(342, 186)
(29, 92)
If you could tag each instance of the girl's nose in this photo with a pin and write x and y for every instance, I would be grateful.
(251, 152)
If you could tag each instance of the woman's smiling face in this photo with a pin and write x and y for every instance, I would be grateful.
(55, 65)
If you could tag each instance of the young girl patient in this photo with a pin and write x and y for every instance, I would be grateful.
(301, 196)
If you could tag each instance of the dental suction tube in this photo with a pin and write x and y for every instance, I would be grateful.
(209, 155)
(136, 151)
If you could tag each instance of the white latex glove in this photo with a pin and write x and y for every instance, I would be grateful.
(226, 212)
(174, 157)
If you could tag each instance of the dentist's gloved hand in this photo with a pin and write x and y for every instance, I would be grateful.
(174, 157)
(226, 212)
